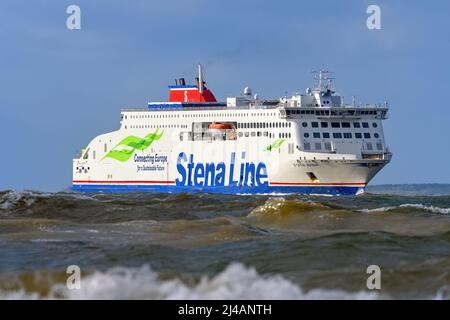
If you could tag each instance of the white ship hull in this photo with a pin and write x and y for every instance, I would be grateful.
(164, 167)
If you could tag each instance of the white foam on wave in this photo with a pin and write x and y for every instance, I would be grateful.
(235, 282)
(19, 295)
(426, 208)
(419, 206)
(443, 293)
(381, 209)
(10, 199)
(46, 240)
(323, 195)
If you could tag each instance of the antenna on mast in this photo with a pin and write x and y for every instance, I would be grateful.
(321, 76)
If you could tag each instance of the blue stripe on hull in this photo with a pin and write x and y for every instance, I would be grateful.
(331, 190)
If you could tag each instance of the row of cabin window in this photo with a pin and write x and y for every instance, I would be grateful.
(263, 125)
(324, 124)
(197, 115)
(203, 115)
(327, 112)
(147, 116)
(264, 134)
(339, 135)
(143, 126)
(327, 146)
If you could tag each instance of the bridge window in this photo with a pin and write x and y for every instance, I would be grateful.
(337, 135)
(365, 125)
(356, 125)
(347, 135)
(316, 135)
(314, 124)
(307, 146)
(358, 135)
(366, 135)
(345, 124)
(324, 124)
(326, 135)
(335, 125)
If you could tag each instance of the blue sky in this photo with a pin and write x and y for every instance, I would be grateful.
(60, 88)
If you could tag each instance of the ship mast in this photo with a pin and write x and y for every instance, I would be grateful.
(321, 77)
(200, 79)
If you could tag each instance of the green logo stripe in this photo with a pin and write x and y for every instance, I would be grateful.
(125, 148)
(277, 144)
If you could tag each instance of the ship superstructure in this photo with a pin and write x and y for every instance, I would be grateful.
(308, 143)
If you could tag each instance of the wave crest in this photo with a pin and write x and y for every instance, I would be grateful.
(417, 206)
(282, 206)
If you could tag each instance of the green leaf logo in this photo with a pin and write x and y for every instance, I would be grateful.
(277, 144)
(125, 148)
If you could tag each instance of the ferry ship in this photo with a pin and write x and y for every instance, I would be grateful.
(311, 143)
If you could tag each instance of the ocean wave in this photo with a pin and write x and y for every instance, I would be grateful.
(443, 293)
(418, 206)
(12, 200)
(426, 208)
(280, 206)
(380, 209)
(235, 282)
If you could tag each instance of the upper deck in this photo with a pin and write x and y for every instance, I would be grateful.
(320, 102)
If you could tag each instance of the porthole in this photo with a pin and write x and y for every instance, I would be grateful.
(306, 135)
(376, 135)
(374, 125)
(304, 124)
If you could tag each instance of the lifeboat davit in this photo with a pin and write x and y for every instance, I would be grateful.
(220, 126)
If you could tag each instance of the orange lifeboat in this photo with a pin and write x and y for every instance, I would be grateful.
(219, 125)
